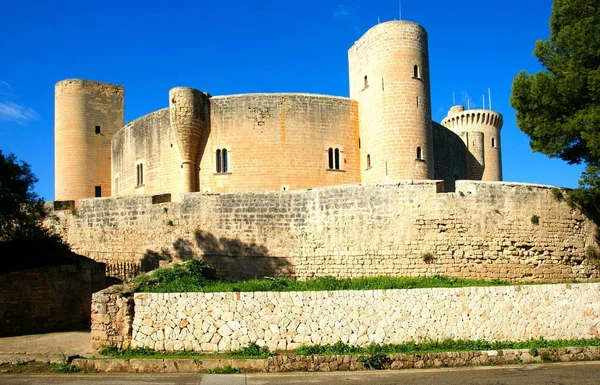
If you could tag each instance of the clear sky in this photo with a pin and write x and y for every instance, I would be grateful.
(229, 47)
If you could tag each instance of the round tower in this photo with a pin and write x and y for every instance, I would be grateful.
(190, 117)
(389, 77)
(480, 130)
(87, 115)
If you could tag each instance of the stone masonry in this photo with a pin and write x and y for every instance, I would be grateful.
(398, 229)
(212, 322)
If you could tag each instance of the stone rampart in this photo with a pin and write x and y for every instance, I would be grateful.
(484, 230)
(213, 322)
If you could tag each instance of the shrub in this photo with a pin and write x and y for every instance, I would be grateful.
(428, 257)
(557, 194)
(535, 220)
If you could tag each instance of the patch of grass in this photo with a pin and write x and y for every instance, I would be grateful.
(197, 276)
(251, 351)
(535, 220)
(377, 361)
(447, 345)
(39, 367)
(170, 223)
(226, 370)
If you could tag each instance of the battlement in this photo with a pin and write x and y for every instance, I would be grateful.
(459, 119)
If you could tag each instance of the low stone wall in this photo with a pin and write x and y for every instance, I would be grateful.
(50, 298)
(337, 363)
(212, 322)
(112, 317)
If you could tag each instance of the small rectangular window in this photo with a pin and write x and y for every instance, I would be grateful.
(98, 130)
(98, 192)
(140, 174)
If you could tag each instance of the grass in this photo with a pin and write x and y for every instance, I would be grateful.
(442, 346)
(251, 351)
(39, 367)
(226, 370)
(196, 276)
(371, 354)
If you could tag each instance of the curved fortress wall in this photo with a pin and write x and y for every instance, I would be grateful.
(87, 115)
(482, 231)
(389, 77)
(272, 142)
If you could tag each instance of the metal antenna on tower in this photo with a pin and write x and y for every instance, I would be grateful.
(490, 97)
(400, 8)
(453, 98)
(483, 101)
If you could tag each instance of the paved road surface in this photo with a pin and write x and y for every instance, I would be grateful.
(550, 374)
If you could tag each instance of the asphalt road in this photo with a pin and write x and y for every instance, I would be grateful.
(550, 374)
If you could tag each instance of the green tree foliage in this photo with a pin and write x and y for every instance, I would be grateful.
(21, 214)
(559, 107)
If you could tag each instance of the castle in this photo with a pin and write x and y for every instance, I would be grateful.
(251, 142)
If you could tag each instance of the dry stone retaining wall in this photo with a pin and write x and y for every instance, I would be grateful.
(212, 322)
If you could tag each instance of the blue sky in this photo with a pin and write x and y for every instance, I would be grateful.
(229, 47)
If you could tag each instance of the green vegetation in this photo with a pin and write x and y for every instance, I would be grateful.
(535, 220)
(559, 107)
(21, 214)
(557, 194)
(39, 367)
(197, 276)
(592, 253)
(447, 345)
(251, 351)
(226, 370)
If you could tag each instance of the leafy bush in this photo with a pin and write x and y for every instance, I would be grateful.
(376, 361)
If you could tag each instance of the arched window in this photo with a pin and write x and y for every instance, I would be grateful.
(222, 160)
(419, 153)
(368, 161)
(366, 82)
(416, 71)
(334, 158)
(493, 142)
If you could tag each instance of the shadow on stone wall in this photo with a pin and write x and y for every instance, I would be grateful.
(232, 258)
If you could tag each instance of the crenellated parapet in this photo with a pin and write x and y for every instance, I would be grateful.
(480, 130)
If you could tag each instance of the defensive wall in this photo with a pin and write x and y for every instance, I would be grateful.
(490, 230)
(212, 322)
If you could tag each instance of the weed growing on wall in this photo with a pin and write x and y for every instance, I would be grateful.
(558, 195)
(592, 254)
(226, 370)
(535, 220)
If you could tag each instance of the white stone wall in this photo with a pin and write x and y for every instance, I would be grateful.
(283, 321)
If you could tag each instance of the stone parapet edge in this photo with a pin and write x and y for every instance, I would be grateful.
(290, 363)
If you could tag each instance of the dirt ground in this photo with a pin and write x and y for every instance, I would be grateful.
(50, 347)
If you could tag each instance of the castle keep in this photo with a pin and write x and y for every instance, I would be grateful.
(251, 142)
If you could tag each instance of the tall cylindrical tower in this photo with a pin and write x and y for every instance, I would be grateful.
(190, 117)
(389, 77)
(87, 115)
(485, 125)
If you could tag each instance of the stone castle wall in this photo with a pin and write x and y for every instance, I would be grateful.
(484, 230)
(273, 142)
(212, 322)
